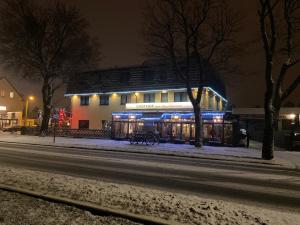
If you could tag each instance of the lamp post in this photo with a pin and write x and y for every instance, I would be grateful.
(26, 108)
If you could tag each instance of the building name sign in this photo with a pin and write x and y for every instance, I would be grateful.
(159, 105)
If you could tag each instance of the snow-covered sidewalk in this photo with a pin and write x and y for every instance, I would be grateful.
(180, 208)
(252, 154)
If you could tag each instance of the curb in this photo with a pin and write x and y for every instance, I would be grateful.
(91, 207)
(227, 158)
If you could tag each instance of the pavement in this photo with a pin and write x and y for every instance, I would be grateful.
(244, 182)
(251, 154)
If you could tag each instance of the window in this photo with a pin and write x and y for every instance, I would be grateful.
(11, 94)
(149, 98)
(2, 93)
(125, 99)
(84, 100)
(164, 97)
(104, 100)
(84, 124)
(180, 97)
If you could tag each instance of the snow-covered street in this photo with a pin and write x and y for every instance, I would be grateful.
(185, 209)
(252, 154)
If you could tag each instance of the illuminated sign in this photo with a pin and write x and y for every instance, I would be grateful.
(159, 105)
(2, 108)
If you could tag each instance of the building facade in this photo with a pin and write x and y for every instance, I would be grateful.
(132, 98)
(11, 104)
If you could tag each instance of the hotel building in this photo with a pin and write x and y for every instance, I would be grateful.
(134, 98)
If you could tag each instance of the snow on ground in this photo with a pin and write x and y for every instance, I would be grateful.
(252, 154)
(185, 209)
(16, 209)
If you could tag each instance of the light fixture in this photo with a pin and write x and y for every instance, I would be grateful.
(291, 116)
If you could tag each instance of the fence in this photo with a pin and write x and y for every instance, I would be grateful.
(66, 132)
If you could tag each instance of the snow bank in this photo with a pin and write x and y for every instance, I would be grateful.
(185, 209)
(19, 209)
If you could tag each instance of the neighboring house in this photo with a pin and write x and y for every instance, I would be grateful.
(129, 98)
(11, 104)
(252, 119)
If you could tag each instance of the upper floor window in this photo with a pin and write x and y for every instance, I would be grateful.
(125, 99)
(11, 94)
(2, 93)
(104, 100)
(84, 100)
(164, 97)
(149, 98)
(180, 97)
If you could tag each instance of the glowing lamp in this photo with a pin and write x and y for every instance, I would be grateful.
(291, 116)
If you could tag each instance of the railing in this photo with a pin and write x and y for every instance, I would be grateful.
(67, 132)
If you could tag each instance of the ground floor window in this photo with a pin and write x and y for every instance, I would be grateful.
(84, 124)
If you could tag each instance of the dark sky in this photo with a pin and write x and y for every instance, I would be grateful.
(117, 23)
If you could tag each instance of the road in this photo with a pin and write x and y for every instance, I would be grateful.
(249, 183)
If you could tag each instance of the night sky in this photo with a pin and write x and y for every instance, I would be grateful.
(118, 23)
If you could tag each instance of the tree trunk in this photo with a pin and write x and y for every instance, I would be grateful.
(198, 126)
(268, 141)
(47, 97)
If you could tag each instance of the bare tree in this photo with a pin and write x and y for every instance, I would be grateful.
(48, 42)
(191, 33)
(280, 33)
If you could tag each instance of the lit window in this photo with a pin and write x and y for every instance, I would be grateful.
(11, 94)
(2, 93)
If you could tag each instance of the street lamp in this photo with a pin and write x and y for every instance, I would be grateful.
(31, 98)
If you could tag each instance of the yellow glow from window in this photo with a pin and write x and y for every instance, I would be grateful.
(136, 94)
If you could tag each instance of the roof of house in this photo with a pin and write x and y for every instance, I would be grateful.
(13, 87)
(137, 78)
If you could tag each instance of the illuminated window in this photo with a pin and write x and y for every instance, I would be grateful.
(149, 98)
(2, 93)
(11, 94)
(84, 100)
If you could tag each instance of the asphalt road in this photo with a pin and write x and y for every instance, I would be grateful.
(251, 183)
